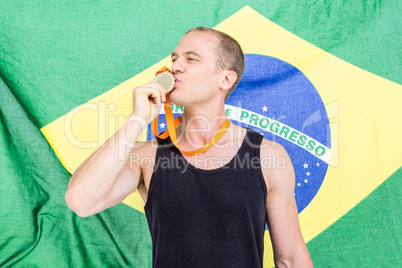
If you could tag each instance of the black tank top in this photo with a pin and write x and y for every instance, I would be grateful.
(207, 218)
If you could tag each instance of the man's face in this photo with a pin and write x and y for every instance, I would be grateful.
(194, 67)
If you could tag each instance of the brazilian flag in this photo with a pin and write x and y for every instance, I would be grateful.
(322, 78)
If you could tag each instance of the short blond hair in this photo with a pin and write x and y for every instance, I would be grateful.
(229, 54)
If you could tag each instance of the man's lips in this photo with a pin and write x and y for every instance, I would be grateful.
(177, 81)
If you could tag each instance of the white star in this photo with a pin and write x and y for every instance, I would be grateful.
(298, 184)
(265, 108)
(308, 173)
(318, 164)
(162, 125)
(305, 165)
(305, 181)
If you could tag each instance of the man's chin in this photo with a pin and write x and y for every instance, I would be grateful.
(176, 98)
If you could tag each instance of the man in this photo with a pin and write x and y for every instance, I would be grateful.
(208, 209)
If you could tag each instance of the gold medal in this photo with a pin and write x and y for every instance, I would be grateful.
(165, 79)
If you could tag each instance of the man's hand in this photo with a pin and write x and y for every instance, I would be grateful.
(147, 100)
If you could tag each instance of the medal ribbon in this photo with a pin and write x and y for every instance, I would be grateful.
(172, 124)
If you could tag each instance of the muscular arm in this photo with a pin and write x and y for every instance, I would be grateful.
(289, 247)
(107, 176)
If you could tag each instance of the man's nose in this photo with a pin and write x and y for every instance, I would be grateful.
(177, 66)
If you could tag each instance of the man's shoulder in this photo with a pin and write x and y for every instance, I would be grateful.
(275, 163)
(267, 146)
(145, 148)
(270, 147)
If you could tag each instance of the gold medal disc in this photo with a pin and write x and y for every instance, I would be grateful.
(165, 79)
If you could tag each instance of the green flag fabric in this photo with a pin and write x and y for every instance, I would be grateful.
(368, 235)
(38, 230)
(58, 55)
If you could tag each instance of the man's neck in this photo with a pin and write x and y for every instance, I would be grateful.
(200, 125)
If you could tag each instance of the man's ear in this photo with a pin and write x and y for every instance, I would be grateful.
(228, 79)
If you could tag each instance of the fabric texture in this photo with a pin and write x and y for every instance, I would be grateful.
(57, 55)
